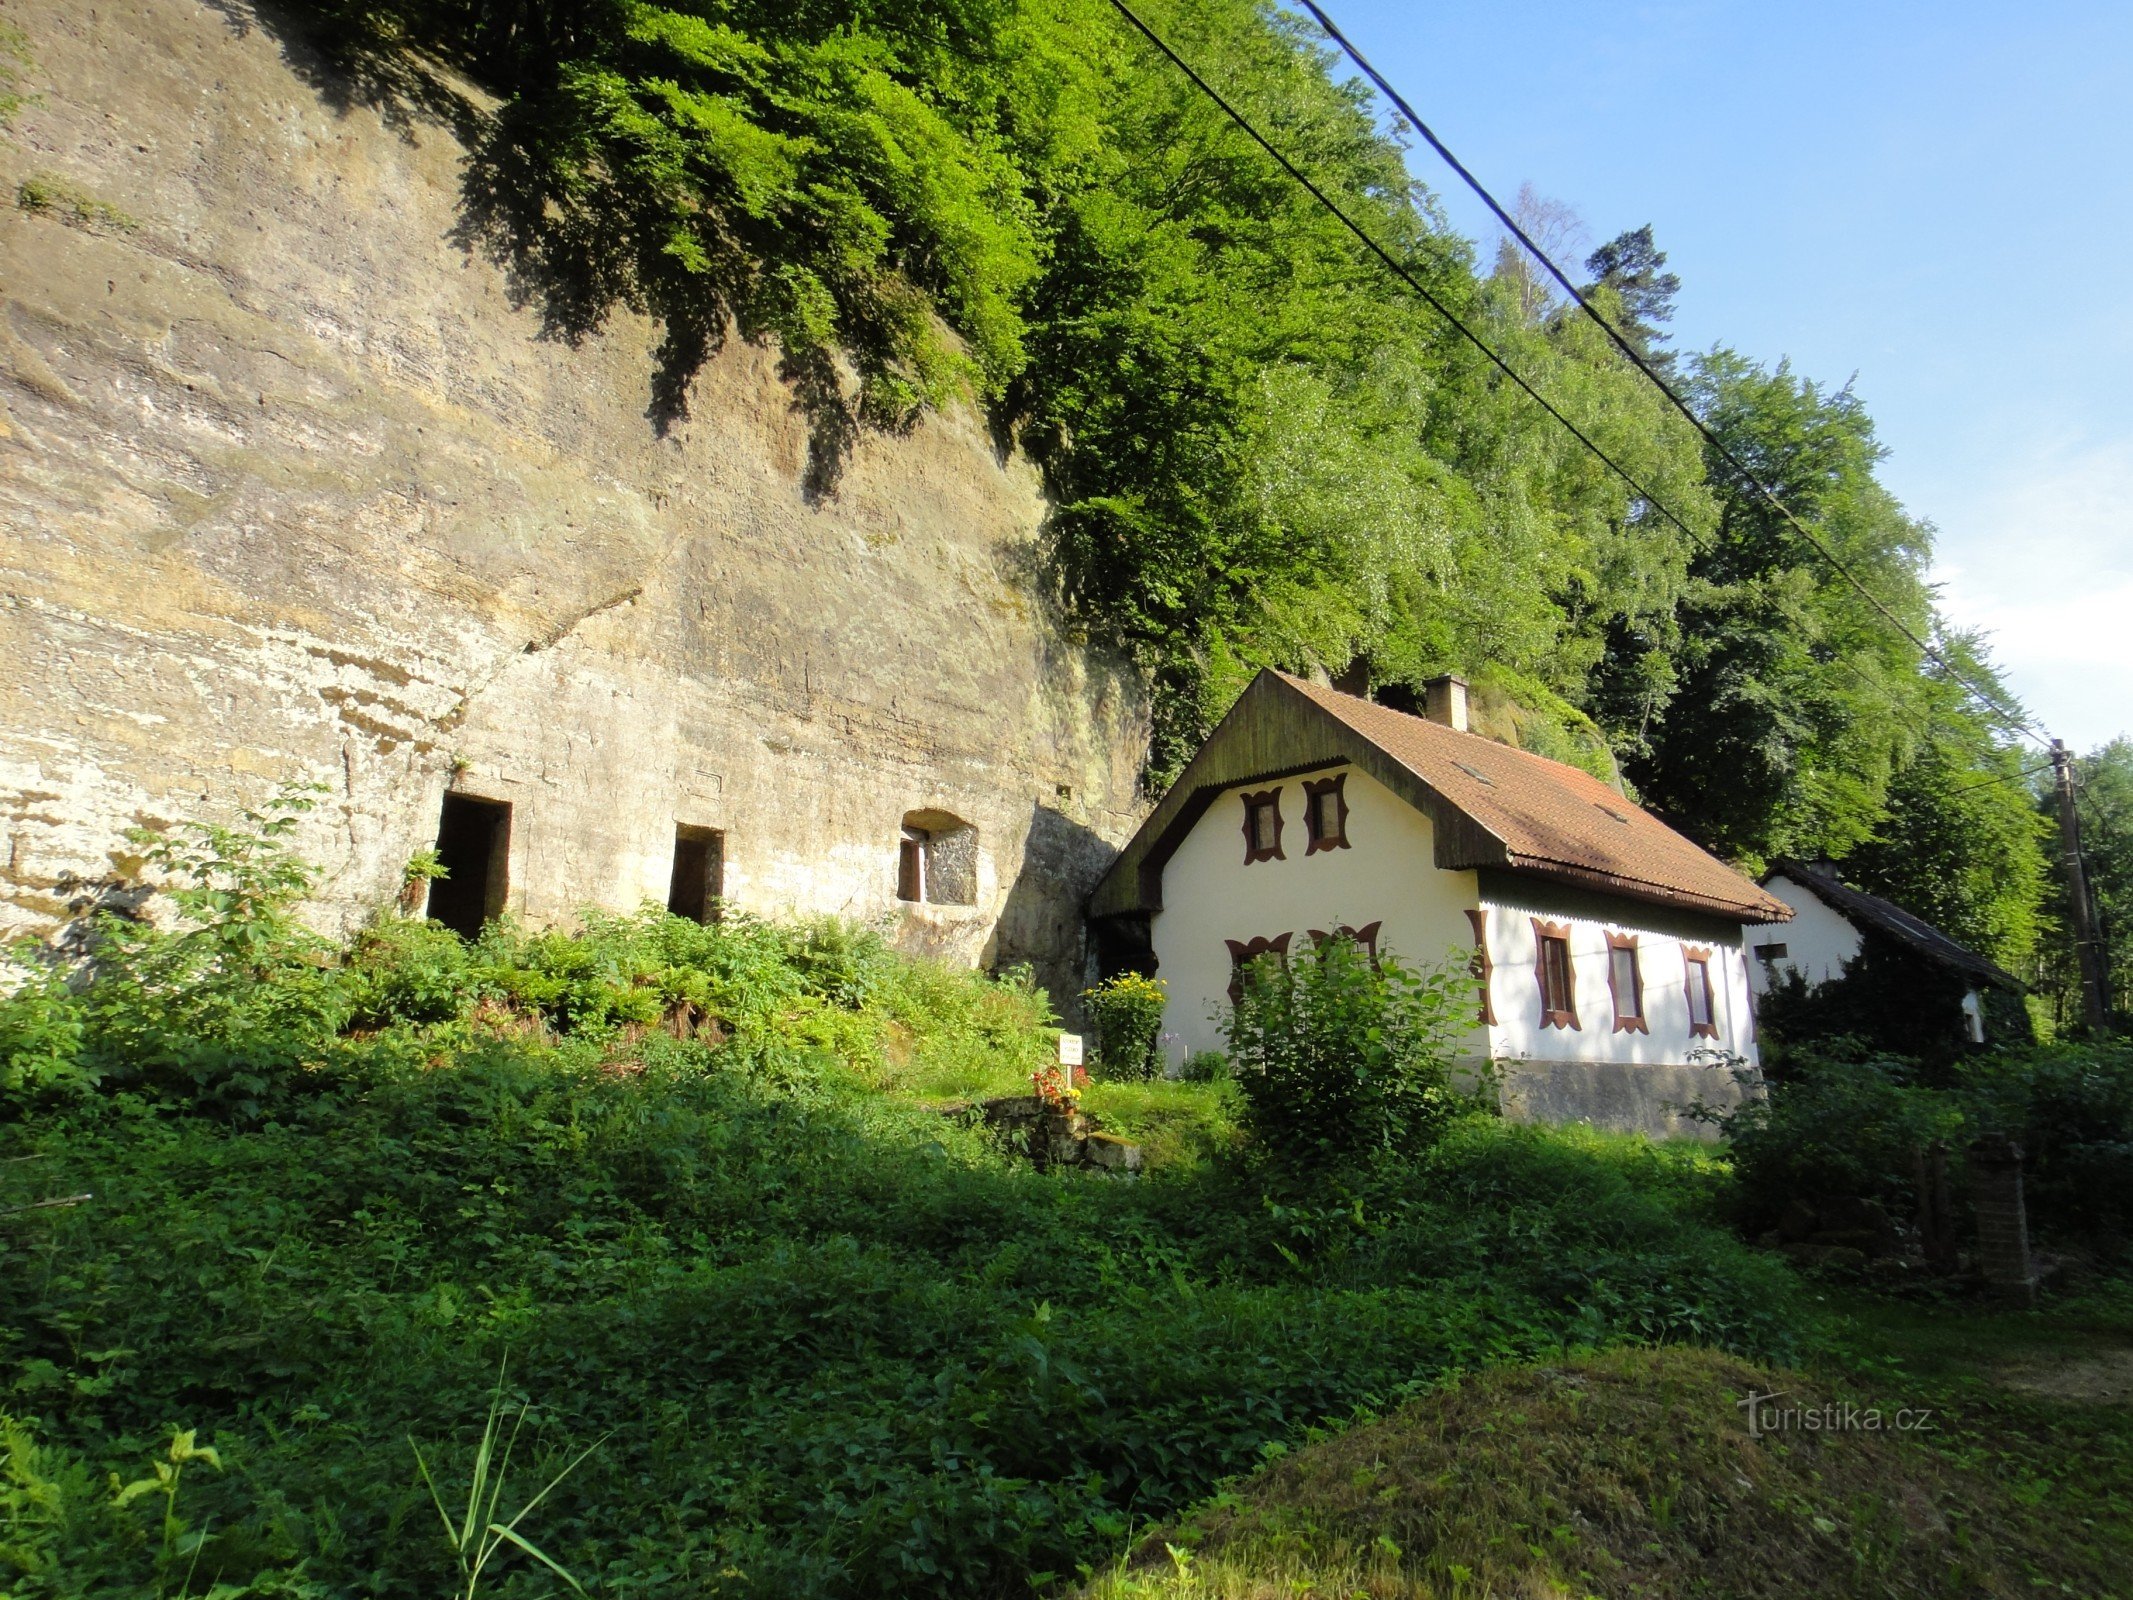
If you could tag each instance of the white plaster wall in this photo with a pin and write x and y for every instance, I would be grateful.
(1387, 875)
(1662, 959)
(1818, 941)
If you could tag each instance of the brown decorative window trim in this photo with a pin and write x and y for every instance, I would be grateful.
(1267, 802)
(1696, 978)
(1366, 936)
(1483, 967)
(1243, 950)
(1316, 792)
(1629, 1008)
(1555, 973)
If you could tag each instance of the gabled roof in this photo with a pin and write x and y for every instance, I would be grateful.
(1489, 804)
(1872, 911)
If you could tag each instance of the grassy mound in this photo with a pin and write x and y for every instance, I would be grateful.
(1627, 1473)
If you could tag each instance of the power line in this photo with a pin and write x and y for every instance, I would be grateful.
(2005, 777)
(1400, 271)
(1843, 569)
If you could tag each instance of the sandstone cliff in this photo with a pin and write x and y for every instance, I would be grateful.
(293, 487)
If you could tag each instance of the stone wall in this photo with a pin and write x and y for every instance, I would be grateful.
(293, 487)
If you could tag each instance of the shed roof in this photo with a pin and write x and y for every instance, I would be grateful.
(1491, 805)
(1870, 909)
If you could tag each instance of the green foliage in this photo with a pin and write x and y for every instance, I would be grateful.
(14, 62)
(834, 1344)
(1632, 269)
(1838, 1126)
(2104, 803)
(842, 1349)
(231, 1002)
(2070, 1108)
(1206, 1066)
(1127, 1013)
(44, 196)
(1341, 1054)
(1961, 843)
(1844, 1123)
(41, 1030)
(66, 1532)
(477, 1538)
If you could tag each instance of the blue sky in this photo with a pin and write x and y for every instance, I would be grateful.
(1934, 198)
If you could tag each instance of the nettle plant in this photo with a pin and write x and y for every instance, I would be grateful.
(237, 989)
(1340, 1054)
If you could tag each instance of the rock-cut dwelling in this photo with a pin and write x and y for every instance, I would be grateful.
(1607, 950)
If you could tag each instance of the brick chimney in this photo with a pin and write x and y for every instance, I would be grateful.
(1445, 701)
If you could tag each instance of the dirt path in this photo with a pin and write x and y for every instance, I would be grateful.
(2094, 1377)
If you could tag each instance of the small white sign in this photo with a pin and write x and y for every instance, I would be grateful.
(1070, 1049)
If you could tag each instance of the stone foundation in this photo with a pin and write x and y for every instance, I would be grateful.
(1619, 1097)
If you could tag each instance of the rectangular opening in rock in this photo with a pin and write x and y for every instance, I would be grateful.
(699, 867)
(474, 845)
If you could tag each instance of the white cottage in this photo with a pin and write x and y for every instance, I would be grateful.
(1608, 948)
(1936, 992)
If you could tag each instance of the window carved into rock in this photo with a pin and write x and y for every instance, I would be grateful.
(1483, 968)
(699, 875)
(1262, 826)
(474, 848)
(1244, 950)
(1555, 973)
(937, 860)
(1325, 813)
(1625, 981)
(1703, 1012)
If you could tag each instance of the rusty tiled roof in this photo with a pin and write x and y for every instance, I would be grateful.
(1547, 816)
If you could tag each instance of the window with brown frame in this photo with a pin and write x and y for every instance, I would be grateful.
(1625, 981)
(1555, 973)
(1703, 1014)
(1326, 813)
(1262, 826)
(1244, 950)
(1366, 936)
(1482, 967)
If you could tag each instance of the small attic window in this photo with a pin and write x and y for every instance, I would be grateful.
(1476, 774)
(1262, 826)
(1326, 813)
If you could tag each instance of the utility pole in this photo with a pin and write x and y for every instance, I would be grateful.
(2095, 1011)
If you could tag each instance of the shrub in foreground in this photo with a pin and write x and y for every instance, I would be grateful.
(1340, 1053)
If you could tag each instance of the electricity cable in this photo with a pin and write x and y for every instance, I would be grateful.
(1399, 270)
(2003, 777)
(1643, 365)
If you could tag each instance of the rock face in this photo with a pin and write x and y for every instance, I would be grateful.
(292, 488)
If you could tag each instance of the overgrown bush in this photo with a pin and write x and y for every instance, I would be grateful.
(1340, 1053)
(1839, 1127)
(1126, 1013)
(2070, 1107)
